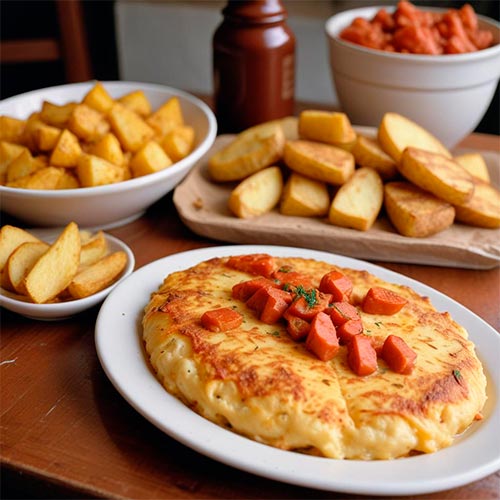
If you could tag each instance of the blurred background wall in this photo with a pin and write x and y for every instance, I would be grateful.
(169, 42)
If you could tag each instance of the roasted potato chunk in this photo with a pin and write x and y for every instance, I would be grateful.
(252, 150)
(98, 98)
(167, 117)
(357, 203)
(178, 143)
(322, 162)
(43, 178)
(108, 148)
(396, 133)
(257, 194)
(325, 126)
(304, 197)
(11, 129)
(46, 137)
(56, 268)
(87, 123)
(436, 174)
(56, 115)
(94, 171)
(415, 212)
(149, 159)
(67, 151)
(138, 102)
(483, 209)
(368, 153)
(23, 165)
(474, 164)
(132, 131)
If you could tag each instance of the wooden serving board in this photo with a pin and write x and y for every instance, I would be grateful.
(202, 206)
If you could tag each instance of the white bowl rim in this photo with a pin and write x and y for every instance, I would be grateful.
(130, 184)
(416, 58)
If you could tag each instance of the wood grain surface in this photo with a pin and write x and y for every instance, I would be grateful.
(67, 433)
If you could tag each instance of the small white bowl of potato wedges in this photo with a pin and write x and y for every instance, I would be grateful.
(52, 274)
(97, 153)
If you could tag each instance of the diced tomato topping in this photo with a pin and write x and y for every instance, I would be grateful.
(350, 329)
(341, 312)
(361, 355)
(380, 300)
(337, 284)
(322, 339)
(244, 290)
(221, 320)
(259, 264)
(398, 355)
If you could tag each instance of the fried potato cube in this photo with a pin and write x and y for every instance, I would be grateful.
(167, 117)
(98, 98)
(149, 159)
(437, 174)
(44, 178)
(10, 238)
(415, 212)
(98, 276)
(93, 249)
(8, 153)
(46, 137)
(304, 197)
(357, 203)
(87, 123)
(55, 114)
(251, 150)
(137, 102)
(11, 129)
(21, 261)
(483, 209)
(474, 164)
(132, 131)
(396, 133)
(56, 268)
(28, 137)
(94, 171)
(179, 142)
(257, 194)
(368, 153)
(25, 164)
(325, 126)
(109, 149)
(68, 180)
(322, 162)
(67, 150)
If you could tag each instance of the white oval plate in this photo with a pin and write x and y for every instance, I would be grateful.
(120, 349)
(61, 310)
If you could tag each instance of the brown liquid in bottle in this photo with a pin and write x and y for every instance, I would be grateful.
(253, 64)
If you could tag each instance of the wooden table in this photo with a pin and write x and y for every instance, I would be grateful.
(67, 433)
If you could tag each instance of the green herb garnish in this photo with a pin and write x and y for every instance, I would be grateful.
(457, 375)
(309, 296)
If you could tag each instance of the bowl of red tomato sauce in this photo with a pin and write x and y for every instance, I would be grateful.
(438, 67)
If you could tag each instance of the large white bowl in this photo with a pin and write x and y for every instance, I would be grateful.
(114, 204)
(446, 94)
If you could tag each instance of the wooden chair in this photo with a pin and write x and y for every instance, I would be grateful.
(71, 47)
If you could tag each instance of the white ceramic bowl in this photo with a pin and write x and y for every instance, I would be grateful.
(61, 310)
(114, 204)
(446, 94)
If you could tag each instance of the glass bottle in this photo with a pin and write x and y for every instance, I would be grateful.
(253, 65)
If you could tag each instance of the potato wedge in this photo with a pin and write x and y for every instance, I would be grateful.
(357, 203)
(93, 249)
(56, 268)
(436, 174)
(257, 194)
(21, 261)
(474, 164)
(304, 197)
(395, 133)
(94, 171)
(10, 238)
(67, 150)
(368, 153)
(138, 102)
(252, 150)
(132, 131)
(322, 162)
(483, 209)
(98, 276)
(149, 159)
(325, 126)
(415, 212)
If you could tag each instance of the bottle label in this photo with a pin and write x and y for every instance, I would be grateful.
(288, 78)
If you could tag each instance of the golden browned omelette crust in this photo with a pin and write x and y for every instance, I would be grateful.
(260, 383)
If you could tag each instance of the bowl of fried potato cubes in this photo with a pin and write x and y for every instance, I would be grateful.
(97, 153)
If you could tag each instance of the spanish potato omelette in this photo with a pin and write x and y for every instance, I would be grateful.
(258, 382)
